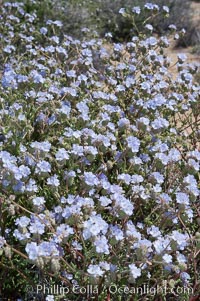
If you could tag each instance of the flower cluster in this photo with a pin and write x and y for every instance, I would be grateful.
(98, 173)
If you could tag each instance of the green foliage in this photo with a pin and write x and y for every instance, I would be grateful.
(17, 274)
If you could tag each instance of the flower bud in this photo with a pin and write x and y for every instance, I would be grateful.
(39, 262)
(11, 209)
(55, 265)
(7, 251)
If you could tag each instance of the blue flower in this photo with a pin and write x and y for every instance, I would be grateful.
(94, 226)
(71, 73)
(43, 30)
(2, 241)
(101, 244)
(90, 179)
(116, 232)
(158, 177)
(122, 11)
(135, 272)
(133, 143)
(151, 6)
(167, 258)
(136, 10)
(36, 227)
(182, 198)
(23, 221)
(53, 181)
(38, 201)
(62, 155)
(95, 271)
(43, 167)
(105, 201)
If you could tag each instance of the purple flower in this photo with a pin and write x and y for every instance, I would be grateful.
(93, 226)
(151, 6)
(90, 179)
(43, 167)
(2, 241)
(185, 277)
(38, 201)
(160, 123)
(136, 10)
(182, 198)
(166, 9)
(116, 232)
(62, 155)
(122, 11)
(152, 41)
(135, 272)
(65, 108)
(95, 271)
(31, 186)
(181, 239)
(101, 244)
(23, 221)
(71, 73)
(156, 176)
(43, 30)
(44, 146)
(37, 227)
(122, 204)
(154, 231)
(105, 201)
(133, 143)
(53, 181)
(32, 250)
(126, 178)
(167, 258)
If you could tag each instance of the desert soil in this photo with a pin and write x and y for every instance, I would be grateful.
(173, 51)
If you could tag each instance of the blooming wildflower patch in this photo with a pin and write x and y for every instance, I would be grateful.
(98, 178)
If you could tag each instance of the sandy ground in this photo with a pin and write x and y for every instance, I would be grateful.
(173, 51)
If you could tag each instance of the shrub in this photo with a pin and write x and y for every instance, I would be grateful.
(102, 16)
(98, 168)
(123, 29)
(196, 49)
(197, 77)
